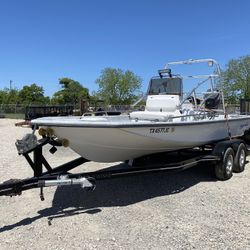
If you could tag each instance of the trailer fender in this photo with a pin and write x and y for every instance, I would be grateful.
(221, 147)
(246, 136)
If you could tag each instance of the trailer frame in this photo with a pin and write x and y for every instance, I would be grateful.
(60, 175)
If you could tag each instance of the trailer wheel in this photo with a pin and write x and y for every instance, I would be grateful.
(240, 159)
(224, 168)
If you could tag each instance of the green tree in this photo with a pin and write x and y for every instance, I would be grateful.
(118, 87)
(71, 92)
(236, 79)
(32, 94)
(8, 96)
(1, 96)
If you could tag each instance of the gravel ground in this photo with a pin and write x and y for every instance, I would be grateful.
(186, 210)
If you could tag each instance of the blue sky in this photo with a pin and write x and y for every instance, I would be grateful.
(44, 40)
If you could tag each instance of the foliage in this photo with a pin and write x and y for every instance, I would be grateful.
(237, 79)
(32, 94)
(8, 96)
(118, 87)
(71, 92)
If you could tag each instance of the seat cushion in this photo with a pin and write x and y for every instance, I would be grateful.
(147, 115)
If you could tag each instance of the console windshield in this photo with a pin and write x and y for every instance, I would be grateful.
(169, 86)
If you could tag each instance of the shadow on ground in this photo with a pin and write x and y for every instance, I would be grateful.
(69, 201)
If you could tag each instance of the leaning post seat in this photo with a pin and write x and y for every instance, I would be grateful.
(158, 107)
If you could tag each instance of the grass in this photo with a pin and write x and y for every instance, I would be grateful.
(14, 115)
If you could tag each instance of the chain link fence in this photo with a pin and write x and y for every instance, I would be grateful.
(18, 111)
(21, 111)
(233, 108)
(12, 110)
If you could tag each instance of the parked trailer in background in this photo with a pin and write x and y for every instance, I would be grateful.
(35, 111)
(245, 106)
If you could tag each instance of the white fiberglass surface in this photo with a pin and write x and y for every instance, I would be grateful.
(120, 120)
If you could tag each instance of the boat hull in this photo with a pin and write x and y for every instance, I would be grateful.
(119, 143)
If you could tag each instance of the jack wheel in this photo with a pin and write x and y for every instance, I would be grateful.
(224, 169)
(240, 159)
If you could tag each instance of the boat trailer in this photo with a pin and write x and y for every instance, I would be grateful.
(46, 176)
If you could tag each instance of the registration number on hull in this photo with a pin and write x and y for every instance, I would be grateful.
(161, 130)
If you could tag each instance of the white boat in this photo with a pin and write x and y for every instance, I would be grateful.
(170, 121)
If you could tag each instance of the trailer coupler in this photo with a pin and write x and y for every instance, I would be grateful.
(14, 187)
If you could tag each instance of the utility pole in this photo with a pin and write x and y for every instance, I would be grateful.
(10, 84)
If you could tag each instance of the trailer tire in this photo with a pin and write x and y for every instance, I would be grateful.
(240, 159)
(224, 168)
